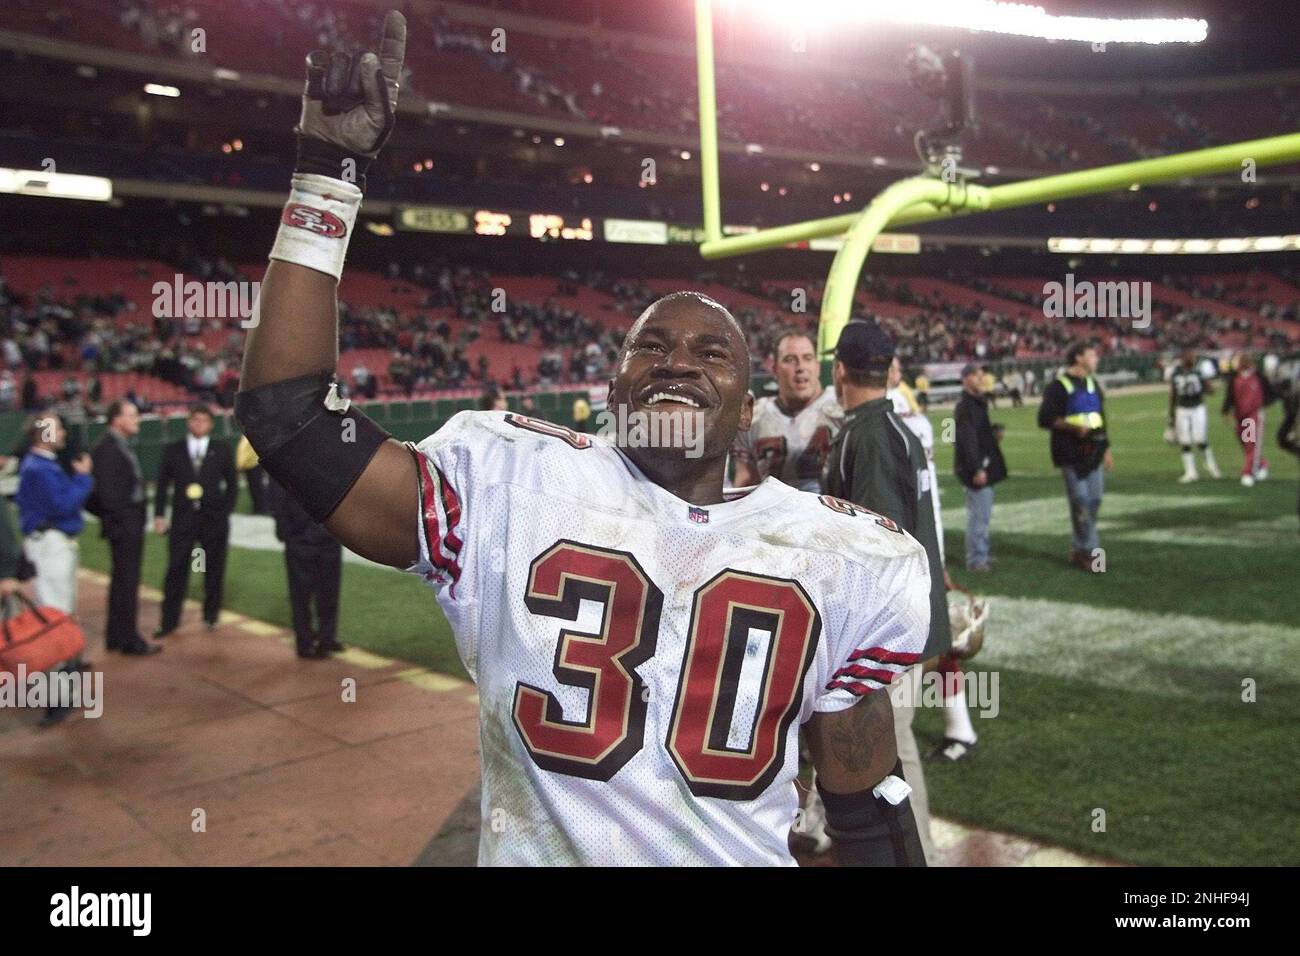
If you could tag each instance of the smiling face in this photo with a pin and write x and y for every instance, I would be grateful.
(685, 356)
(798, 373)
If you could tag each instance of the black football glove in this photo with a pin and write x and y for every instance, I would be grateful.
(349, 106)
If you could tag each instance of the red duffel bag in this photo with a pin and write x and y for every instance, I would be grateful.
(40, 638)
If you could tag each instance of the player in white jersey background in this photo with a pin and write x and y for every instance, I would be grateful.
(959, 737)
(646, 649)
(907, 408)
(788, 438)
(1187, 416)
(791, 431)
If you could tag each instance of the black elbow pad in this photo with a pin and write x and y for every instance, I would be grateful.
(869, 830)
(311, 441)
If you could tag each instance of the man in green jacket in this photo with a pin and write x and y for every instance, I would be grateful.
(877, 462)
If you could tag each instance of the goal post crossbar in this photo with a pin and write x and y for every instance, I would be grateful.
(921, 199)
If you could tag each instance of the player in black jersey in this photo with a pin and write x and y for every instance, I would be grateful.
(1187, 418)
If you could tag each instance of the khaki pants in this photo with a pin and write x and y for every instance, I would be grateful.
(905, 694)
(55, 555)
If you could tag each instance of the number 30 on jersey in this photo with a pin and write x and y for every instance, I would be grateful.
(724, 612)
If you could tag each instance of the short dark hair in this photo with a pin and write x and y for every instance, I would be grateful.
(34, 425)
(875, 377)
(790, 333)
(700, 300)
(201, 409)
(115, 409)
(1076, 349)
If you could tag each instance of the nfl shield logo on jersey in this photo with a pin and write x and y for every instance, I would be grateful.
(699, 515)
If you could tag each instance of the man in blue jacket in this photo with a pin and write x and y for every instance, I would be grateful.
(49, 511)
(49, 508)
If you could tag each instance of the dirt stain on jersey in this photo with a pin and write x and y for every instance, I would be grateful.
(511, 810)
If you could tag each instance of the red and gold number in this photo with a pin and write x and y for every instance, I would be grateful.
(726, 610)
(843, 507)
(576, 439)
(613, 729)
(772, 450)
(814, 455)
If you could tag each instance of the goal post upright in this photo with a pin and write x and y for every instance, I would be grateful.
(920, 199)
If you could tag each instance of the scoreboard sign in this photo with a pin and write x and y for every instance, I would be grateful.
(435, 219)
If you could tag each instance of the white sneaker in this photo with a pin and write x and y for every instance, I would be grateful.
(1261, 474)
(1188, 476)
(1248, 481)
(1214, 471)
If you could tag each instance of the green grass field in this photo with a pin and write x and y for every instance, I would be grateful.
(1120, 691)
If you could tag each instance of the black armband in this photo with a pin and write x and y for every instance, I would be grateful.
(870, 830)
(311, 441)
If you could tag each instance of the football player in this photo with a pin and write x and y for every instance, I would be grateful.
(645, 646)
(1187, 391)
(918, 423)
(792, 431)
(959, 735)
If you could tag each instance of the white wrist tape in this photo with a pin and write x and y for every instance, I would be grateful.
(317, 223)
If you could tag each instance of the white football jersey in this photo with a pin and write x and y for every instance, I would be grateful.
(643, 664)
(918, 423)
(791, 448)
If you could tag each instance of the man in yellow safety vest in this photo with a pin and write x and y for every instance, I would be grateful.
(1073, 410)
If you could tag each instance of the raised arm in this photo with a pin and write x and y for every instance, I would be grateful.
(341, 466)
(870, 819)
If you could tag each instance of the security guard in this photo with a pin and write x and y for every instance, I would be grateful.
(313, 559)
(1073, 410)
(877, 462)
(198, 475)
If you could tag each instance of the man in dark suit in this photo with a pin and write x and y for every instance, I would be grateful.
(314, 561)
(118, 502)
(198, 475)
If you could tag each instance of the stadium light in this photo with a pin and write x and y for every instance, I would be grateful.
(1164, 247)
(986, 16)
(158, 89)
(36, 182)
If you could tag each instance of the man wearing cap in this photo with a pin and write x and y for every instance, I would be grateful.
(977, 463)
(877, 462)
(1073, 410)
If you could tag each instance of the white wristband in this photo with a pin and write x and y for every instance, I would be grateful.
(317, 223)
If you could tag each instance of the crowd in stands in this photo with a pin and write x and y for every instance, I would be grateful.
(90, 333)
(572, 73)
(458, 319)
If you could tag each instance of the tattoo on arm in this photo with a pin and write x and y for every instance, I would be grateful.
(853, 749)
(855, 739)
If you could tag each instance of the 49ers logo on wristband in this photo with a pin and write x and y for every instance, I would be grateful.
(314, 220)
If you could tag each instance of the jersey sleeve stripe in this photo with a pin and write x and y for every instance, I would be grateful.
(882, 656)
(435, 517)
(868, 673)
(856, 688)
(451, 508)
